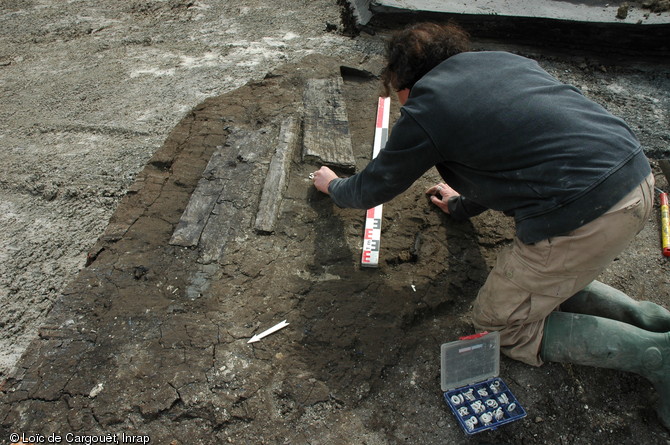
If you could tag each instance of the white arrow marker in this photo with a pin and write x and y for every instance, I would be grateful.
(274, 328)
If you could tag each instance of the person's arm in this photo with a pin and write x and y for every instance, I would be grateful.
(408, 154)
(462, 208)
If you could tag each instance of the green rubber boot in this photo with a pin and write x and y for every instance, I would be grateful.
(604, 343)
(604, 301)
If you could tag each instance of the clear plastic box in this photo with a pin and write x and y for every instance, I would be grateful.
(479, 399)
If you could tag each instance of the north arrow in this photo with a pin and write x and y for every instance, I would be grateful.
(265, 333)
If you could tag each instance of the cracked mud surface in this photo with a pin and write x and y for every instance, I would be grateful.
(89, 91)
(151, 338)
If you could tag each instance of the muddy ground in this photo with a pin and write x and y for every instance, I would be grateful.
(113, 112)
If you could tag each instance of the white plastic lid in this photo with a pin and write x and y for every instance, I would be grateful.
(465, 362)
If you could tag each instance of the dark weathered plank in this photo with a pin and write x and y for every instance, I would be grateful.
(221, 204)
(275, 181)
(232, 216)
(326, 138)
(193, 220)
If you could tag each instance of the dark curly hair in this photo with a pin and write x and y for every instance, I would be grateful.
(413, 51)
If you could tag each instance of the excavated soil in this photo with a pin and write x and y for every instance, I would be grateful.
(150, 339)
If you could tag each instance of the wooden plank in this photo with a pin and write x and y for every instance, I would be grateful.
(199, 208)
(326, 135)
(220, 199)
(275, 181)
(232, 216)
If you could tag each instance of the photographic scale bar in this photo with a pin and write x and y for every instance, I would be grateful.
(373, 217)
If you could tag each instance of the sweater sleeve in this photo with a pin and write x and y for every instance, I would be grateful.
(408, 154)
(462, 208)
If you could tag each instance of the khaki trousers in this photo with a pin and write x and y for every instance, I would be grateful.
(528, 282)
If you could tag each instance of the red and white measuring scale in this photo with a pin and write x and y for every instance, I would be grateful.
(373, 217)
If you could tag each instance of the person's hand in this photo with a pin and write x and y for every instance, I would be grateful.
(322, 178)
(440, 194)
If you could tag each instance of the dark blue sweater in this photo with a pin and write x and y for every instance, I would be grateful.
(507, 136)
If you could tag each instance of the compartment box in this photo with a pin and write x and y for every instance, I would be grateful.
(479, 399)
